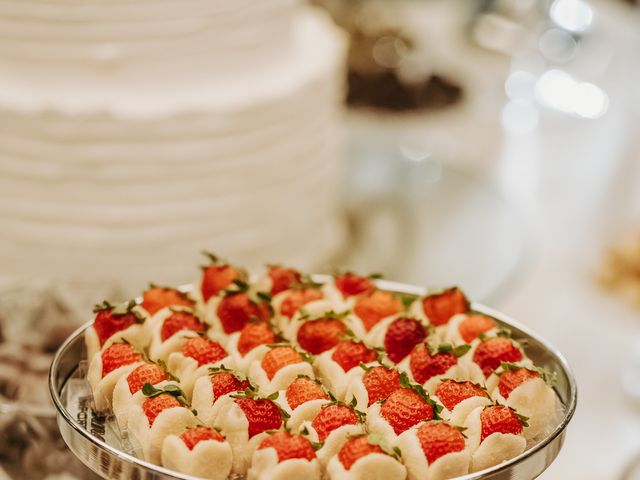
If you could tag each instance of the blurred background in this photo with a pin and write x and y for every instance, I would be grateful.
(491, 144)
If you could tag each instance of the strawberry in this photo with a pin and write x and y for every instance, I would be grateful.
(283, 278)
(223, 382)
(289, 446)
(424, 365)
(192, 436)
(217, 276)
(153, 406)
(178, 321)
(203, 350)
(113, 319)
(440, 307)
(351, 284)
(349, 354)
(402, 335)
(499, 419)
(512, 378)
(149, 372)
(236, 309)
(375, 306)
(380, 382)
(438, 439)
(319, 335)
(404, 408)
(118, 355)
(331, 417)
(262, 414)
(356, 448)
(299, 298)
(473, 325)
(156, 298)
(254, 334)
(303, 390)
(279, 357)
(493, 351)
(452, 392)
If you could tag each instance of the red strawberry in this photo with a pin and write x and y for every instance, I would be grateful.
(218, 276)
(118, 355)
(157, 298)
(111, 320)
(152, 407)
(356, 448)
(303, 390)
(203, 350)
(473, 325)
(380, 382)
(224, 382)
(402, 335)
(452, 392)
(438, 439)
(178, 321)
(375, 306)
(404, 408)
(331, 417)
(351, 284)
(262, 414)
(511, 379)
(192, 436)
(493, 351)
(349, 354)
(149, 372)
(440, 307)
(499, 419)
(236, 309)
(423, 365)
(254, 334)
(278, 358)
(289, 446)
(283, 278)
(299, 298)
(319, 335)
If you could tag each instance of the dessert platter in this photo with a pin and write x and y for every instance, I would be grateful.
(287, 375)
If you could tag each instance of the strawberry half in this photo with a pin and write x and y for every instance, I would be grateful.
(404, 408)
(512, 378)
(147, 373)
(261, 413)
(493, 351)
(253, 334)
(438, 439)
(112, 319)
(203, 350)
(380, 382)
(402, 335)
(474, 325)
(425, 364)
(279, 357)
(224, 382)
(298, 299)
(178, 321)
(303, 390)
(217, 276)
(331, 417)
(283, 278)
(355, 448)
(289, 446)
(156, 298)
(440, 307)
(350, 353)
(152, 407)
(499, 419)
(321, 334)
(193, 436)
(118, 355)
(452, 392)
(351, 284)
(237, 308)
(375, 306)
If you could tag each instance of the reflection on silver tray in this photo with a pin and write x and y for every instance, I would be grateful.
(91, 438)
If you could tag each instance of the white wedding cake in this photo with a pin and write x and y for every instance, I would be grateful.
(136, 133)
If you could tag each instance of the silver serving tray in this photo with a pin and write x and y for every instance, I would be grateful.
(90, 438)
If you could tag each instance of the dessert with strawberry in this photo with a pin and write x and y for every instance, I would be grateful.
(373, 307)
(106, 368)
(428, 364)
(218, 383)
(494, 434)
(398, 336)
(371, 383)
(366, 457)
(459, 398)
(351, 284)
(218, 275)
(284, 456)
(170, 329)
(434, 450)
(281, 278)
(251, 343)
(468, 328)
(302, 400)
(280, 366)
(199, 451)
(157, 297)
(490, 353)
(440, 307)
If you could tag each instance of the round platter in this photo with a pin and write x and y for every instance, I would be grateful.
(94, 440)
